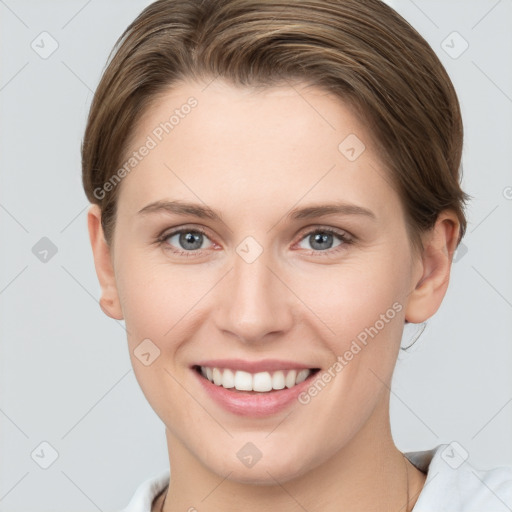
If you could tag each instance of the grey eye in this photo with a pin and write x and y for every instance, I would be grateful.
(321, 240)
(188, 240)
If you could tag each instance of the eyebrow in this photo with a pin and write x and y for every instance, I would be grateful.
(309, 212)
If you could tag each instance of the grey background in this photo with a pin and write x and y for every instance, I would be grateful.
(65, 374)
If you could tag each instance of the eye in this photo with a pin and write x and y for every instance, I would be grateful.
(191, 241)
(322, 240)
(185, 240)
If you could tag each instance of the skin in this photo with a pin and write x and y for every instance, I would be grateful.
(253, 156)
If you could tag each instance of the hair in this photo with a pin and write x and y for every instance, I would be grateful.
(362, 51)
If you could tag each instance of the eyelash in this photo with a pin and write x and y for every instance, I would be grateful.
(345, 238)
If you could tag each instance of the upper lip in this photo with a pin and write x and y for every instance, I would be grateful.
(254, 366)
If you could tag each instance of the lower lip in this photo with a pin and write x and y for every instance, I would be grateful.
(251, 404)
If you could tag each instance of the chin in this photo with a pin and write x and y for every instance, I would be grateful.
(263, 472)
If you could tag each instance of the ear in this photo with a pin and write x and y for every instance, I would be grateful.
(432, 273)
(109, 301)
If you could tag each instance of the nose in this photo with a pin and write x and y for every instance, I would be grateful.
(253, 303)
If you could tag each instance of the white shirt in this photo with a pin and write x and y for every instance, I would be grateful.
(452, 484)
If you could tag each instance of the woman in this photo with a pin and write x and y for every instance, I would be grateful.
(275, 189)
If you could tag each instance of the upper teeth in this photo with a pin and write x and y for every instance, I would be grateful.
(262, 381)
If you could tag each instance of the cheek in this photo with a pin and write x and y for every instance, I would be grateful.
(156, 300)
(155, 295)
(350, 298)
(361, 308)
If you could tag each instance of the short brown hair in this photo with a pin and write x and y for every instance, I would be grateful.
(361, 50)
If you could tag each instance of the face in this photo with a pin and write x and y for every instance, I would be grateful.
(255, 270)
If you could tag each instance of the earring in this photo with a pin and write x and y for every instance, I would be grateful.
(411, 333)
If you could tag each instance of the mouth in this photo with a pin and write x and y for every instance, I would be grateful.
(265, 382)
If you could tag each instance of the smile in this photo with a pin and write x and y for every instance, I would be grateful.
(255, 389)
(260, 382)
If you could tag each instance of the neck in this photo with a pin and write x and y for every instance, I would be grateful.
(367, 474)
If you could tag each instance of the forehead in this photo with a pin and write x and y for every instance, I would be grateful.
(255, 146)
